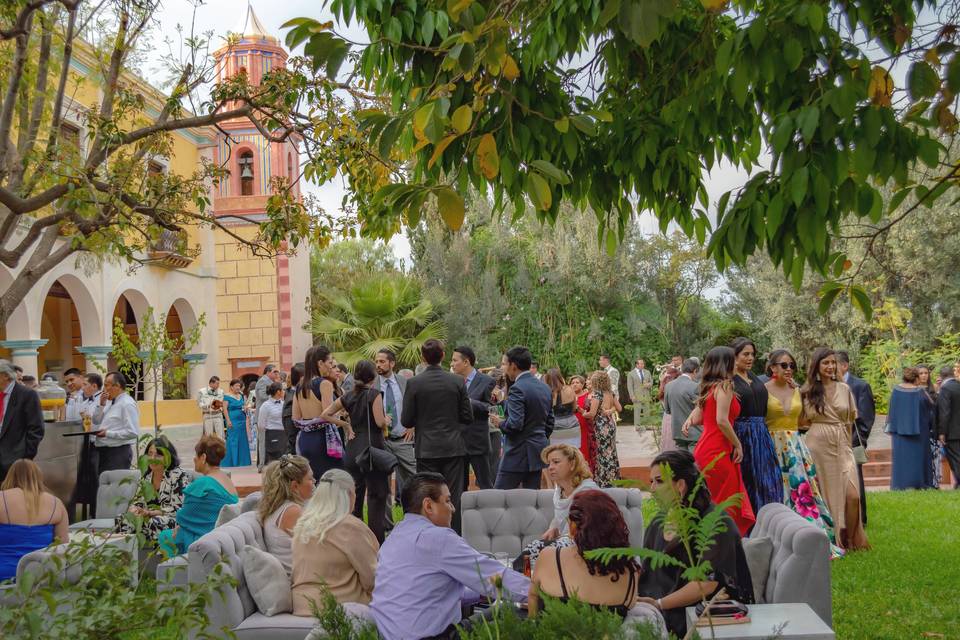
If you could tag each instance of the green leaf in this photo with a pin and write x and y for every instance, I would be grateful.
(827, 297)
(609, 12)
(774, 215)
(584, 124)
(757, 31)
(860, 300)
(798, 185)
(929, 151)
(922, 80)
(462, 118)
(815, 17)
(551, 171)
(792, 53)
(871, 125)
(451, 207)
(953, 74)
(562, 125)
(394, 30)
(428, 27)
(898, 198)
(782, 134)
(442, 24)
(739, 84)
(539, 191)
(808, 120)
(724, 52)
(611, 243)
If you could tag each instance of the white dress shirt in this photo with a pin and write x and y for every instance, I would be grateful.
(396, 427)
(270, 415)
(120, 418)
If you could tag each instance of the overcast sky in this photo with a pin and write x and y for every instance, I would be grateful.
(221, 16)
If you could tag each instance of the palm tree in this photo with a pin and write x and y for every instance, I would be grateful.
(382, 311)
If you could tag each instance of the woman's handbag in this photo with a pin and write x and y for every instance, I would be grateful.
(374, 459)
(859, 451)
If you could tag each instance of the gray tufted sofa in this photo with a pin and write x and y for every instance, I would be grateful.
(800, 564)
(497, 521)
(114, 494)
(235, 608)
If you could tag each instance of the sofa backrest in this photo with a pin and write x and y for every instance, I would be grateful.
(496, 521)
(225, 544)
(800, 565)
(115, 491)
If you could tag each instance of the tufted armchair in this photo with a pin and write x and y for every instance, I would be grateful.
(497, 521)
(800, 563)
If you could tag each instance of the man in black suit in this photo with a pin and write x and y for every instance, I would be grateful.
(866, 414)
(477, 435)
(21, 420)
(435, 405)
(948, 425)
(527, 425)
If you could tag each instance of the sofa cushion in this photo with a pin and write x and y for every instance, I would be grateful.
(758, 552)
(268, 581)
(496, 521)
(285, 626)
(800, 563)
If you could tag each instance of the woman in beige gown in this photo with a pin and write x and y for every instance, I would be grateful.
(829, 411)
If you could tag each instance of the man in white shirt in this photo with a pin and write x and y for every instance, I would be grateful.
(117, 420)
(210, 400)
(73, 381)
(270, 422)
(90, 392)
(613, 373)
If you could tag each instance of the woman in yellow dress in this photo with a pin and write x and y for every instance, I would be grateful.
(800, 487)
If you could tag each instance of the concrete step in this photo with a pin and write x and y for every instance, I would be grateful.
(879, 455)
(876, 469)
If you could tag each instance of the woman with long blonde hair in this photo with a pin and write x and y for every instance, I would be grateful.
(30, 516)
(603, 404)
(332, 549)
(287, 484)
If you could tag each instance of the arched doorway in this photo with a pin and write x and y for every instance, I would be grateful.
(124, 311)
(60, 327)
(175, 378)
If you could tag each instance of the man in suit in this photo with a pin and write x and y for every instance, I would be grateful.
(639, 383)
(435, 405)
(393, 388)
(21, 420)
(526, 427)
(270, 375)
(948, 425)
(866, 414)
(613, 372)
(680, 397)
(477, 435)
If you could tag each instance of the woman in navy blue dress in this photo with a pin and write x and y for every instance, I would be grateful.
(909, 417)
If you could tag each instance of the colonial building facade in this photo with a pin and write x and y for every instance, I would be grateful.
(254, 308)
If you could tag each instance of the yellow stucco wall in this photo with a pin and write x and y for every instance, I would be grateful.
(170, 412)
(247, 313)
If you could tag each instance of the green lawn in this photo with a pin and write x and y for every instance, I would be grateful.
(908, 585)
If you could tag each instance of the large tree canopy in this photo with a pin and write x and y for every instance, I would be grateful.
(626, 105)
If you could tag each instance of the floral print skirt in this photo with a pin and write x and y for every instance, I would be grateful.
(608, 464)
(800, 488)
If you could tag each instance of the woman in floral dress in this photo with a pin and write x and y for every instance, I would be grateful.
(800, 488)
(154, 509)
(602, 405)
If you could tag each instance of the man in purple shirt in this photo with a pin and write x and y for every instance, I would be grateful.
(425, 571)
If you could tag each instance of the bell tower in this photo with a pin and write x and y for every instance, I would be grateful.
(260, 318)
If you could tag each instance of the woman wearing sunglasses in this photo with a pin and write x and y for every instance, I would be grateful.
(800, 487)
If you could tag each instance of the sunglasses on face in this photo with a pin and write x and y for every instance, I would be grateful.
(788, 365)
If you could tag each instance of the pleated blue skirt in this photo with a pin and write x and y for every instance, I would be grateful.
(760, 466)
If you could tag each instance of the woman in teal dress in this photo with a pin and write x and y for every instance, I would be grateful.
(238, 446)
(202, 499)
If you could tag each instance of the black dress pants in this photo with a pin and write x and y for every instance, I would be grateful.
(454, 473)
(952, 451)
(274, 444)
(481, 470)
(374, 487)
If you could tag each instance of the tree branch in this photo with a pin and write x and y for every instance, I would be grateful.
(10, 99)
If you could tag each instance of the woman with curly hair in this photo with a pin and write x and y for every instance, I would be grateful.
(602, 406)
(595, 522)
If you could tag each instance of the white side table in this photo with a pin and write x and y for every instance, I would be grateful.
(798, 622)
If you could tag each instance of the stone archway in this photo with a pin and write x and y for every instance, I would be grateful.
(131, 307)
(68, 320)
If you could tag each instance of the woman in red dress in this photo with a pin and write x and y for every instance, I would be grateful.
(588, 444)
(719, 446)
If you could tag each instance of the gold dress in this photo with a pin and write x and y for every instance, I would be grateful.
(801, 489)
(828, 440)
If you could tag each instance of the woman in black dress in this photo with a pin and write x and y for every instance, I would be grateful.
(368, 423)
(760, 466)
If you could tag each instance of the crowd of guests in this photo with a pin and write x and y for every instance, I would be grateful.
(338, 448)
